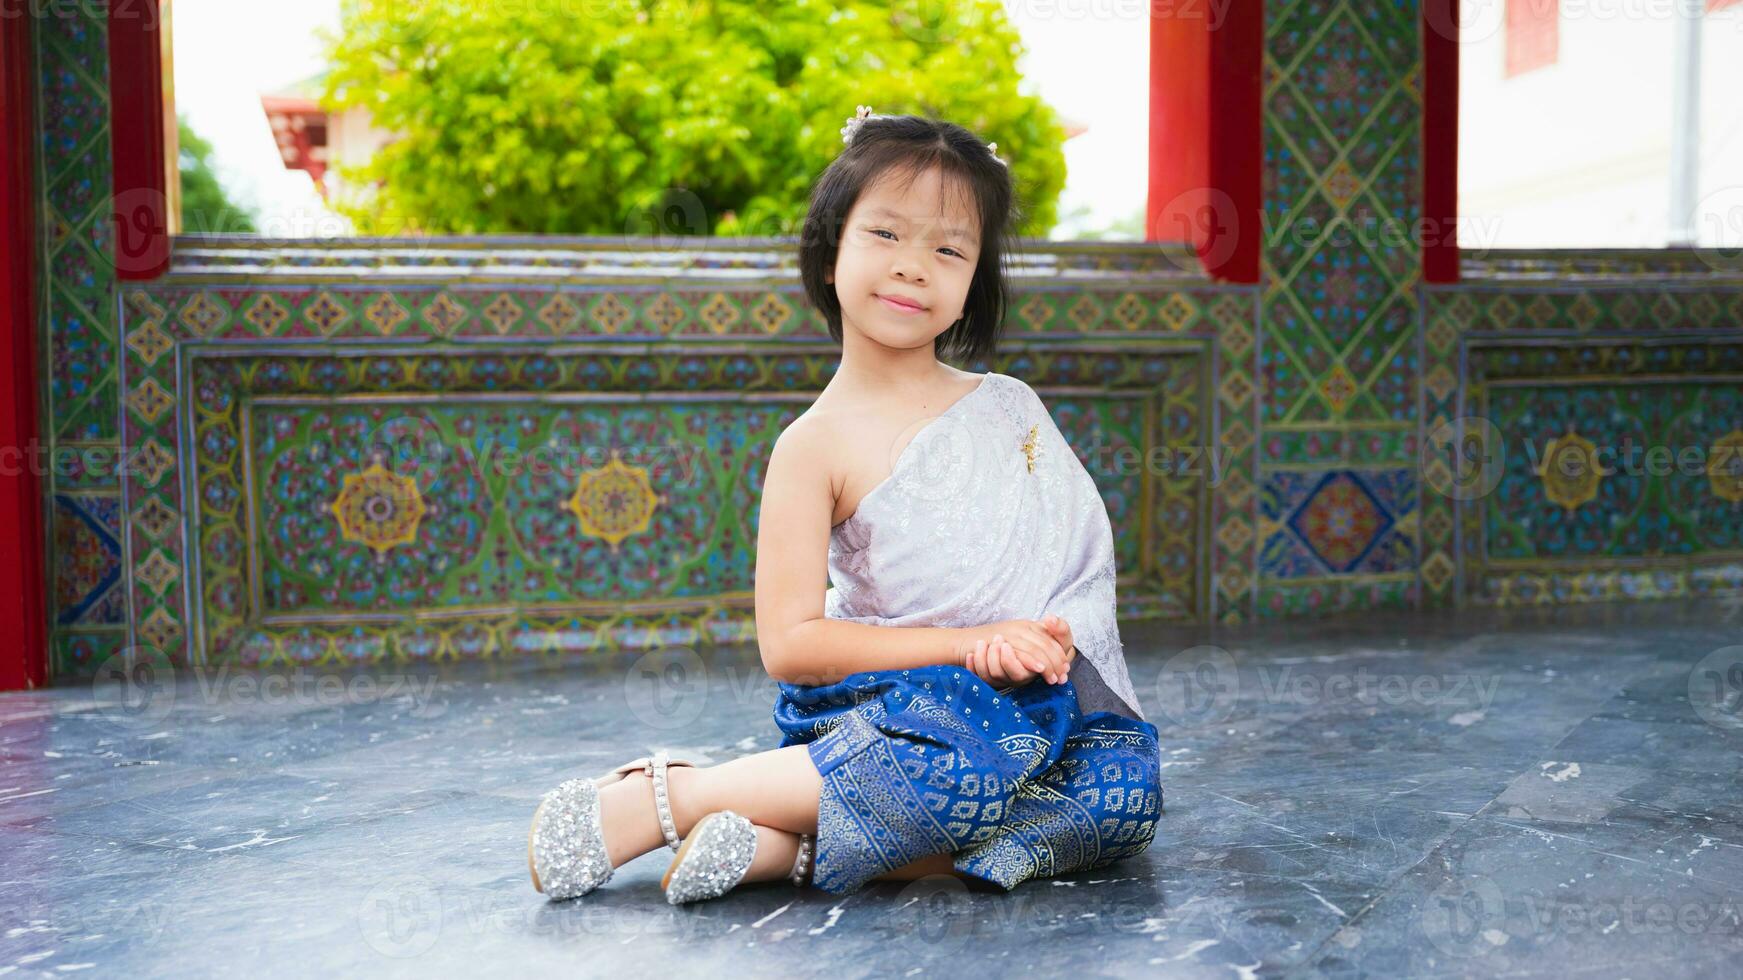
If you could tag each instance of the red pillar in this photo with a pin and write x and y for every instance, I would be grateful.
(1206, 146)
(136, 127)
(1440, 140)
(23, 605)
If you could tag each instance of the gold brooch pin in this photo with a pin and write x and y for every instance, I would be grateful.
(1031, 447)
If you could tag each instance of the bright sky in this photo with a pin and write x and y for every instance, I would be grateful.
(1090, 60)
(1086, 58)
(227, 52)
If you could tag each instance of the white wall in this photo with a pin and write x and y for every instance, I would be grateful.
(1578, 153)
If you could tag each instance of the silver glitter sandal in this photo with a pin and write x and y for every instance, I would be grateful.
(566, 844)
(716, 856)
(713, 860)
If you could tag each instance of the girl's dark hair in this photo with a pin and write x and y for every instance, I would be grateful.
(906, 147)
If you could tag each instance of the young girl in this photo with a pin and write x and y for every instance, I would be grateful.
(958, 701)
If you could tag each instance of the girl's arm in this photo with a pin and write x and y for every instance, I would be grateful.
(799, 644)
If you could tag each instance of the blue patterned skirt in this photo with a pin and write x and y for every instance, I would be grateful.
(935, 760)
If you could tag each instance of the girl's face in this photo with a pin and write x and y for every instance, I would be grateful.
(906, 261)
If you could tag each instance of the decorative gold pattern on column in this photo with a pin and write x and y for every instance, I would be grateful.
(614, 501)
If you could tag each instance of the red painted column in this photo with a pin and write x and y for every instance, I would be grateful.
(136, 124)
(23, 604)
(1206, 146)
(1440, 140)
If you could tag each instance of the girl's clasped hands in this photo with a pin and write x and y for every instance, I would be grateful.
(1016, 651)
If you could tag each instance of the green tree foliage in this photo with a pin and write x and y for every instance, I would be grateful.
(205, 206)
(661, 116)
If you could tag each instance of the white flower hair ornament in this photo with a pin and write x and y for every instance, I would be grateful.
(862, 113)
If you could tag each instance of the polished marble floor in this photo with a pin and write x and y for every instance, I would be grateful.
(1530, 794)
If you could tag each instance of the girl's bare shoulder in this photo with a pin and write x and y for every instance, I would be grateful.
(828, 440)
(810, 439)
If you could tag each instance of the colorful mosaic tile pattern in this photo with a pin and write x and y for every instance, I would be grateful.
(182, 435)
(88, 616)
(1338, 369)
(87, 579)
(167, 325)
(504, 495)
(1493, 327)
(1338, 522)
(337, 313)
(1442, 455)
(150, 475)
(1591, 311)
(165, 318)
(1621, 474)
(1236, 500)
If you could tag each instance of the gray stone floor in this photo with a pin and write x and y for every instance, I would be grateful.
(1555, 793)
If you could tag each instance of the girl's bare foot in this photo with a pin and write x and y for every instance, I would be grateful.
(537, 885)
(629, 820)
(776, 851)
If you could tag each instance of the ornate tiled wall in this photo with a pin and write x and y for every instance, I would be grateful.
(1604, 396)
(461, 452)
(1339, 511)
(330, 452)
(86, 523)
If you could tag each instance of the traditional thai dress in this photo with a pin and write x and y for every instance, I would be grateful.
(987, 515)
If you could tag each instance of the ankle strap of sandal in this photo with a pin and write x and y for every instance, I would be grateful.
(656, 770)
(802, 863)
